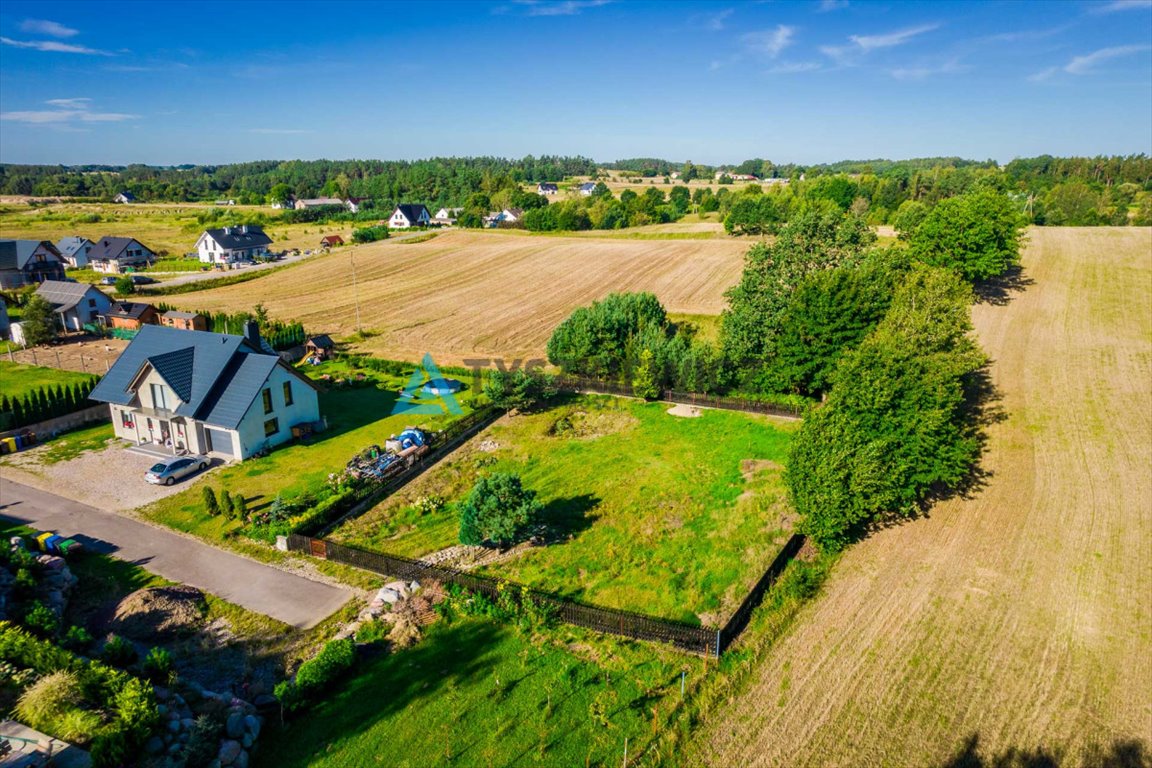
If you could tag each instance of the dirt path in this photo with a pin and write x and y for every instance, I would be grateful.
(1021, 617)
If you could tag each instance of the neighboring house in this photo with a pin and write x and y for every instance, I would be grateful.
(447, 216)
(354, 204)
(547, 188)
(5, 323)
(320, 346)
(27, 262)
(114, 255)
(409, 215)
(227, 245)
(735, 176)
(288, 204)
(587, 188)
(124, 197)
(185, 321)
(131, 315)
(75, 250)
(318, 202)
(208, 393)
(329, 241)
(224, 202)
(75, 304)
(511, 215)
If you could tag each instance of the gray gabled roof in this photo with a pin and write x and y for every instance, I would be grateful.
(19, 253)
(70, 245)
(231, 238)
(221, 374)
(132, 310)
(176, 314)
(63, 295)
(109, 248)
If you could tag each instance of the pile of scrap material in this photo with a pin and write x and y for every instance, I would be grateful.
(374, 463)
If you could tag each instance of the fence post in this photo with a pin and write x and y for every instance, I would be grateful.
(718, 643)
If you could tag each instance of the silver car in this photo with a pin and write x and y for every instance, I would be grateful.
(170, 470)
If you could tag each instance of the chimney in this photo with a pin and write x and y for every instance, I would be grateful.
(252, 333)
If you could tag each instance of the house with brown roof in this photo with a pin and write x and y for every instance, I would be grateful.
(329, 241)
(185, 321)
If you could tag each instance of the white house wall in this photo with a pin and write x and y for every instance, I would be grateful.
(305, 409)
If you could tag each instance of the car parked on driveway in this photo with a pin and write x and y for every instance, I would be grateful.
(143, 280)
(109, 280)
(170, 470)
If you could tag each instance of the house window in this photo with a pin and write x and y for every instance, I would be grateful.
(159, 397)
(126, 420)
(287, 393)
(92, 303)
(267, 401)
(271, 427)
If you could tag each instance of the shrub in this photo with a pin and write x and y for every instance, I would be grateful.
(520, 389)
(125, 286)
(119, 652)
(239, 507)
(76, 639)
(334, 659)
(372, 632)
(211, 507)
(52, 704)
(203, 742)
(369, 234)
(158, 666)
(498, 509)
(42, 620)
(226, 505)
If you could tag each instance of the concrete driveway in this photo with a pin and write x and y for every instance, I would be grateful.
(290, 598)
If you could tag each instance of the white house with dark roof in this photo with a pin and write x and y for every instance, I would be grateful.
(75, 304)
(75, 250)
(587, 188)
(409, 215)
(208, 393)
(124, 197)
(114, 255)
(228, 245)
(547, 188)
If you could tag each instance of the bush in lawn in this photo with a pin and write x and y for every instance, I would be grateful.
(158, 666)
(498, 509)
(336, 658)
(226, 507)
(76, 639)
(125, 286)
(119, 652)
(211, 507)
(372, 632)
(239, 508)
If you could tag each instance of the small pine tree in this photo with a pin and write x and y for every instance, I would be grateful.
(211, 507)
(239, 508)
(17, 414)
(644, 378)
(226, 503)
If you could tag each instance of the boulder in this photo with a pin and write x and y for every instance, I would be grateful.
(154, 745)
(252, 724)
(413, 585)
(265, 700)
(399, 587)
(234, 726)
(388, 595)
(229, 751)
(241, 760)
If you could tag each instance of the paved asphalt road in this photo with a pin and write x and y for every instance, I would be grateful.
(262, 588)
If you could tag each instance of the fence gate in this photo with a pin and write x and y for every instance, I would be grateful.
(318, 548)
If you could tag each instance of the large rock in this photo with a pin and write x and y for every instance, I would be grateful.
(234, 726)
(252, 724)
(388, 595)
(229, 751)
(155, 612)
(400, 587)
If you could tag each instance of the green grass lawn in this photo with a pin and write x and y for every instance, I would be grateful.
(71, 444)
(357, 418)
(475, 693)
(675, 517)
(17, 379)
(176, 265)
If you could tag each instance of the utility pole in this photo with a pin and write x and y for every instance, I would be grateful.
(355, 288)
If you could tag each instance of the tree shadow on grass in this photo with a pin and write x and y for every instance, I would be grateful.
(446, 657)
(1122, 753)
(998, 291)
(565, 519)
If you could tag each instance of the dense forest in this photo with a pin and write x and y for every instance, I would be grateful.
(1077, 191)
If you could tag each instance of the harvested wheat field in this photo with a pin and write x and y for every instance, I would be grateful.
(1017, 619)
(480, 294)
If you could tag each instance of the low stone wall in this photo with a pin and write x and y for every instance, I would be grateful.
(95, 415)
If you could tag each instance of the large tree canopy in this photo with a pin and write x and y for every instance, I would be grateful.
(498, 510)
(977, 235)
(595, 340)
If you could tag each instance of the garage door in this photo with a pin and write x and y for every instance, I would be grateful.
(219, 441)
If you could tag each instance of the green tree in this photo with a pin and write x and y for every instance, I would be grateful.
(279, 194)
(644, 377)
(125, 286)
(594, 340)
(498, 510)
(908, 216)
(521, 389)
(896, 425)
(211, 506)
(225, 503)
(239, 508)
(977, 234)
(38, 321)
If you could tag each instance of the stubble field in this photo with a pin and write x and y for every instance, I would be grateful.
(480, 294)
(1019, 618)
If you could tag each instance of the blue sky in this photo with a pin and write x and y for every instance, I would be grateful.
(807, 82)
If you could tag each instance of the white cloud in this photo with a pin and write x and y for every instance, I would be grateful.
(1117, 6)
(67, 112)
(1082, 65)
(831, 5)
(871, 42)
(770, 41)
(717, 21)
(794, 67)
(949, 67)
(550, 8)
(51, 46)
(44, 27)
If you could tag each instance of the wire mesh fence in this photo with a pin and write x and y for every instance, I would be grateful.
(583, 384)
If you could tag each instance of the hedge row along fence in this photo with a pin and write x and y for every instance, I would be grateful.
(48, 402)
(706, 641)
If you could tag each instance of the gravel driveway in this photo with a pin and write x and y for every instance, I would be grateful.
(112, 478)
